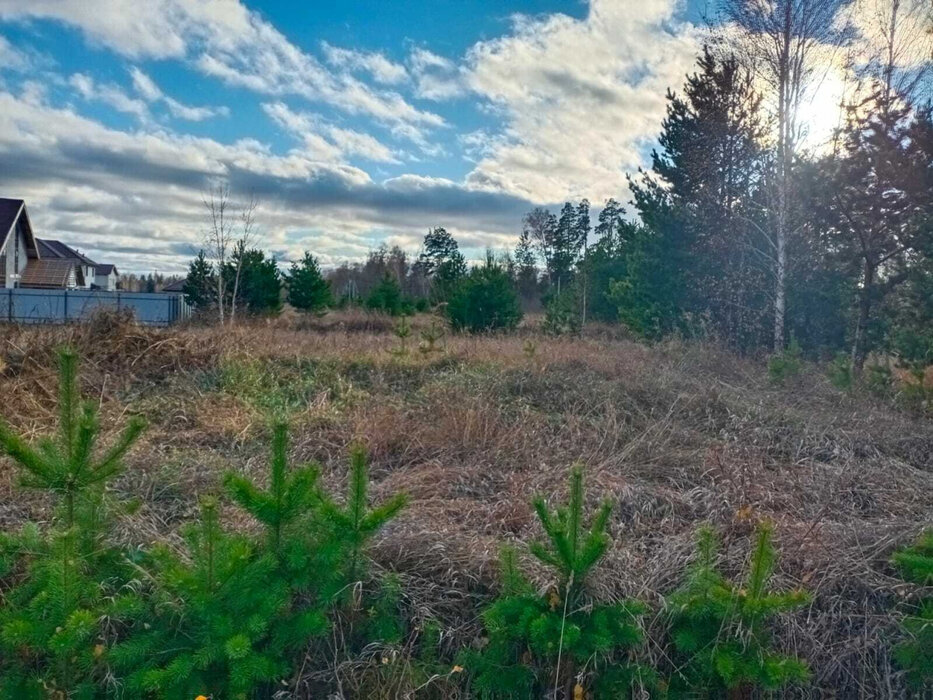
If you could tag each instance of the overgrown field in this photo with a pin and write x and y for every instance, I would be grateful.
(676, 435)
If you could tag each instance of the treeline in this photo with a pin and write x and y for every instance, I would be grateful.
(253, 616)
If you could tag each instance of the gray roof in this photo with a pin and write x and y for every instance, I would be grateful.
(57, 249)
(106, 269)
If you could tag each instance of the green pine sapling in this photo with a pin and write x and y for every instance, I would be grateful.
(62, 583)
(720, 630)
(915, 653)
(350, 526)
(537, 643)
(212, 629)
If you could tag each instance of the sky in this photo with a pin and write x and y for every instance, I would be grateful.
(352, 122)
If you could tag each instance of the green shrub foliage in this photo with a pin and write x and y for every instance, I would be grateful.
(62, 582)
(484, 301)
(720, 630)
(915, 653)
(539, 642)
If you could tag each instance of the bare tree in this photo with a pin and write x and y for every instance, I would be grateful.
(784, 42)
(230, 232)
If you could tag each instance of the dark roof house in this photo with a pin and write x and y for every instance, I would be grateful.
(27, 261)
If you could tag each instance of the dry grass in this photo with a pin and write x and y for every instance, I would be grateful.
(676, 434)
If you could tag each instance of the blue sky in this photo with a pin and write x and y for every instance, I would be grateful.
(354, 123)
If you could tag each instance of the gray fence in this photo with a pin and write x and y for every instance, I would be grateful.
(61, 306)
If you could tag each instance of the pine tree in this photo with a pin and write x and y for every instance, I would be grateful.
(537, 643)
(216, 625)
(915, 653)
(200, 284)
(720, 629)
(307, 288)
(67, 580)
(353, 524)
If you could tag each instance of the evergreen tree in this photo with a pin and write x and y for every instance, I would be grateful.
(880, 206)
(526, 269)
(68, 579)
(537, 643)
(698, 200)
(442, 263)
(720, 629)
(200, 284)
(386, 297)
(307, 288)
(915, 652)
(260, 285)
(484, 301)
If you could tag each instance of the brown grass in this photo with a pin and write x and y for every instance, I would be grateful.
(675, 434)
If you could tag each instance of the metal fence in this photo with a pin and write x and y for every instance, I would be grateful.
(61, 306)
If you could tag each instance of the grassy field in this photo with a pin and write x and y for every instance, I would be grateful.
(675, 434)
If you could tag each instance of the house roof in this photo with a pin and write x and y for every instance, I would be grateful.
(106, 269)
(50, 273)
(10, 212)
(57, 249)
(176, 286)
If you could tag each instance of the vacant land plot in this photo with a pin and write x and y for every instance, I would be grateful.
(676, 435)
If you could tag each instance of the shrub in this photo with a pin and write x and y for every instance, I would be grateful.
(840, 372)
(484, 301)
(537, 642)
(66, 580)
(720, 630)
(386, 297)
(915, 653)
(562, 313)
(786, 364)
(879, 380)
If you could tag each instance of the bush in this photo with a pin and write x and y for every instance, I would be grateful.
(484, 301)
(719, 630)
(386, 297)
(915, 652)
(562, 313)
(786, 364)
(840, 372)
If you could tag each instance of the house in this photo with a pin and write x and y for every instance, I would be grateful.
(105, 277)
(21, 262)
(33, 263)
(49, 249)
(176, 287)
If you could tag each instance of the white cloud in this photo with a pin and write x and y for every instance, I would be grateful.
(146, 87)
(580, 97)
(10, 57)
(226, 40)
(108, 94)
(436, 78)
(134, 198)
(326, 141)
(378, 66)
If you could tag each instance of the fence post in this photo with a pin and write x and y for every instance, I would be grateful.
(9, 304)
(65, 304)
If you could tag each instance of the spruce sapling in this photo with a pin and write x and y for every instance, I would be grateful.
(720, 630)
(67, 580)
(537, 642)
(915, 653)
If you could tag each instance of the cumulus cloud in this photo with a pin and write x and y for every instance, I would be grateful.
(378, 66)
(580, 97)
(225, 40)
(135, 198)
